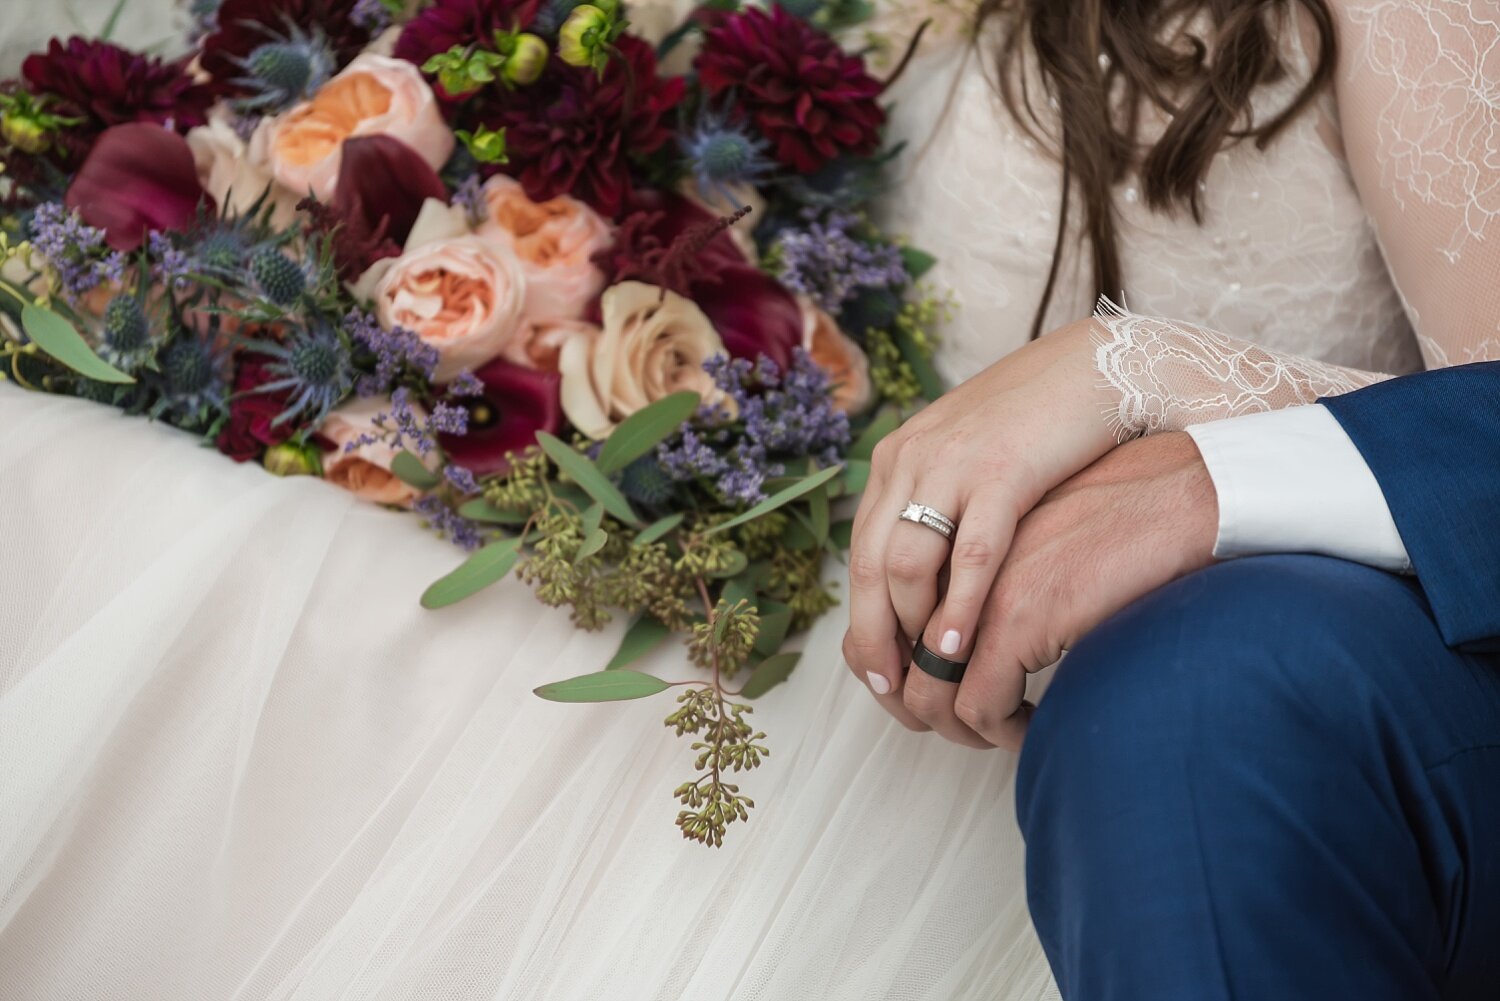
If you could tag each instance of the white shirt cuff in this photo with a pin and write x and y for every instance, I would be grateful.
(1291, 481)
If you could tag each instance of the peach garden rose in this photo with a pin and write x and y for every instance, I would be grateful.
(555, 241)
(365, 471)
(374, 95)
(651, 345)
(459, 292)
(835, 352)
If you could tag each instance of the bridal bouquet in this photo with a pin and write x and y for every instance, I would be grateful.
(588, 288)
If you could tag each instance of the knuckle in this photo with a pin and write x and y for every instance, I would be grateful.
(973, 554)
(974, 713)
(907, 567)
(865, 570)
(886, 451)
(862, 650)
(925, 703)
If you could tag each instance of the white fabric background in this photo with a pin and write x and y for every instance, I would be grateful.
(240, 761)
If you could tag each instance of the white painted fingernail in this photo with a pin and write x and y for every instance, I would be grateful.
(951, 640)
(879, 684)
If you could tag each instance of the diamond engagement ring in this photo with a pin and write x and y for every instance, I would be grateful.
(921, 514)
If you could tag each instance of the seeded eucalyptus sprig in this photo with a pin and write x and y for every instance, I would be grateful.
(732, 585)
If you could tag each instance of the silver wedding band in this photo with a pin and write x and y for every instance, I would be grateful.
(921, 514)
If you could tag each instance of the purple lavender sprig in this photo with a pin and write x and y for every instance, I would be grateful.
(75, 250)
(776, 418)
(828, 262)
(404, 426)
(395, 351)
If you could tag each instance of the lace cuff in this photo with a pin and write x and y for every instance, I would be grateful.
(1170, 375)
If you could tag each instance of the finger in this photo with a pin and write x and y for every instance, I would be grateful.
(991, 698)
(871, 648)
(891, 702)
(931, 701)
(914, 557)
(984, 535)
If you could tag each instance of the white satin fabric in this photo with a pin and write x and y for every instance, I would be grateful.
(241, 762)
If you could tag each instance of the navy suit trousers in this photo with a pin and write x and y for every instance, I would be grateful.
(1269, 780)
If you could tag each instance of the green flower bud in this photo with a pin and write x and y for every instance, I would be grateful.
(25, 132)
(585, 37)
(288, 459)
(484, 145)
(526, 61)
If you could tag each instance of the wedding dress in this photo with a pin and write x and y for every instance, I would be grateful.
(238, 761)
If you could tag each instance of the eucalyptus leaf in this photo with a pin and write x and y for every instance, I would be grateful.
(798, 535)
(818, 512)
(644, 635)
(593, 517)
(644, 430)
(841, 533)
(739, 589)
(776, 500)
(657, 529)
(856, 475)
(592, 543)
(587, 475)
(883, 424)
(737, 564)
(771, 672)
(482, 510)
(775, 623)
(603, 686)
(918, 262)
(57, 337)
(485, 567)
(409, 470)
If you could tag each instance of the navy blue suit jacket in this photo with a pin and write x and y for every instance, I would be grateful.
(1433, 442)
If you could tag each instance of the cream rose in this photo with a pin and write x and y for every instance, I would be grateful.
(365, 471)
(460, 292)
(651, 345)
(374, 95)
(237, 173)
(836, 353)
(555, 241)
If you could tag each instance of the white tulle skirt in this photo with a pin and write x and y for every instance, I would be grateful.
(238, 761)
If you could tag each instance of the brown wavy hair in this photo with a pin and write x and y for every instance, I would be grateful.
(1202, 84)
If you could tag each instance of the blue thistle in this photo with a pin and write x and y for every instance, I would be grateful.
(721, 154)
(192, 380)
(312, 366)
(279, 277)
(125, 341)
(646, 482)
(283, 70)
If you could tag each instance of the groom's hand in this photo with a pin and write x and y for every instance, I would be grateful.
(1142, 516)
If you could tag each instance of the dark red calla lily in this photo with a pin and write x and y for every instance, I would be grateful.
(138, 178)
(381, 187)
(753, 314)
(515, 404)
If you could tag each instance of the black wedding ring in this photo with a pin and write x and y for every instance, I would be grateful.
(939, 667)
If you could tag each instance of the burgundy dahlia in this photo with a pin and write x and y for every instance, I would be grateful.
(514, 404)
(460, 22)
(250, 430)
(572, 133)
(242, 26)
(812, 100)
(106, 85)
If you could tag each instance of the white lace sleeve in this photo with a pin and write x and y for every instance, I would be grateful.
(1419, 108)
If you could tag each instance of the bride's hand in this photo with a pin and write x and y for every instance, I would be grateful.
(983, 455)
